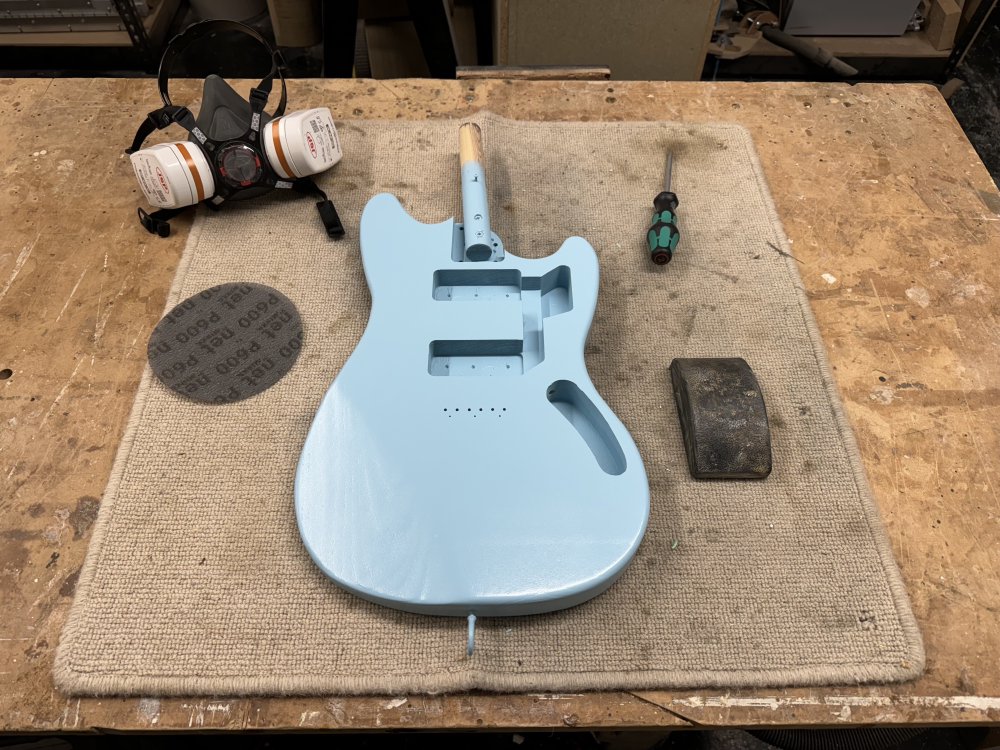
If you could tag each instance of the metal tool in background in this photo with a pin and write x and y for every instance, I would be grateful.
(742, 23)
(663, 235)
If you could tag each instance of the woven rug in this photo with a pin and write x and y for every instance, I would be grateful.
(196, 581)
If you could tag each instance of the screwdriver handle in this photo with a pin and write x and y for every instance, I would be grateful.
(663, 235)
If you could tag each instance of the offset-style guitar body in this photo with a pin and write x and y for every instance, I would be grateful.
(462, 462)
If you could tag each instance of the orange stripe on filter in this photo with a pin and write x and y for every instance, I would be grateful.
(276, 140)
(193, 169)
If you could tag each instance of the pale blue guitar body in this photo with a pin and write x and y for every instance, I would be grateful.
(462, 462)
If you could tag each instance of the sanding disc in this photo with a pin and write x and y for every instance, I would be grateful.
(226, 343)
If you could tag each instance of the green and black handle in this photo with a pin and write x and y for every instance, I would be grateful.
(663, 235)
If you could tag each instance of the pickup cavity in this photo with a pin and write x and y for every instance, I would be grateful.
(477, 285)
(486, 358)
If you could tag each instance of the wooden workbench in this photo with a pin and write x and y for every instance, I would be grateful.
(896, 225)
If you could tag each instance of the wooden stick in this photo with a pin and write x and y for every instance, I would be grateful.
(535, 72)
(470, 143)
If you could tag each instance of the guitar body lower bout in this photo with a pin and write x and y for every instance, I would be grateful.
(462, 461)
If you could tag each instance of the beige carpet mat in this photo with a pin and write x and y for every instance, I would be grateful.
(196, 581)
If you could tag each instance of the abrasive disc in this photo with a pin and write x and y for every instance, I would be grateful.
(226, 343)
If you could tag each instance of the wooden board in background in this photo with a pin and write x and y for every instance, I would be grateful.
(942, 23)
(639, 40)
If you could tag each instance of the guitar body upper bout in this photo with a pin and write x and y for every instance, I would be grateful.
(462, 461)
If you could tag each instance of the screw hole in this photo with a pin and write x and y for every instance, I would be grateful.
(492, 409)
(6, 373)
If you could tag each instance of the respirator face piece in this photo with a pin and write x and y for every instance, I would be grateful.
(178, 174)
(235, 150)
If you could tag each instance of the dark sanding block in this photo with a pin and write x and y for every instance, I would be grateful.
(722, 417)
(226, 343)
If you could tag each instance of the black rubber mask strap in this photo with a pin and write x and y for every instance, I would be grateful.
(202, 29)
(145, 129)
(262, 92)
(279, 66)
(162, 118)
(327, 211)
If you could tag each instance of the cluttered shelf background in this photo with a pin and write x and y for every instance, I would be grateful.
(954, 44)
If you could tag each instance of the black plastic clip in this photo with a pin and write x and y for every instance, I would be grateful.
(160, 118)
(279, 61)
(258, 97)
(152, 224)
(331, 219)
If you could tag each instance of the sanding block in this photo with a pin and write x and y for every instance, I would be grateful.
(723, 418)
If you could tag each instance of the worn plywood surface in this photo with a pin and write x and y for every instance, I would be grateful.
(895, 223)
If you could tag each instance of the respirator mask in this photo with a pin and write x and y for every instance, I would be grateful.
(235, 150)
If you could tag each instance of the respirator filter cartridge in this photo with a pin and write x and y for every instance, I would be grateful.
(302, 144)
(173, 175)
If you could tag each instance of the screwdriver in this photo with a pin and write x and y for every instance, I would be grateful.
(663, 235)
